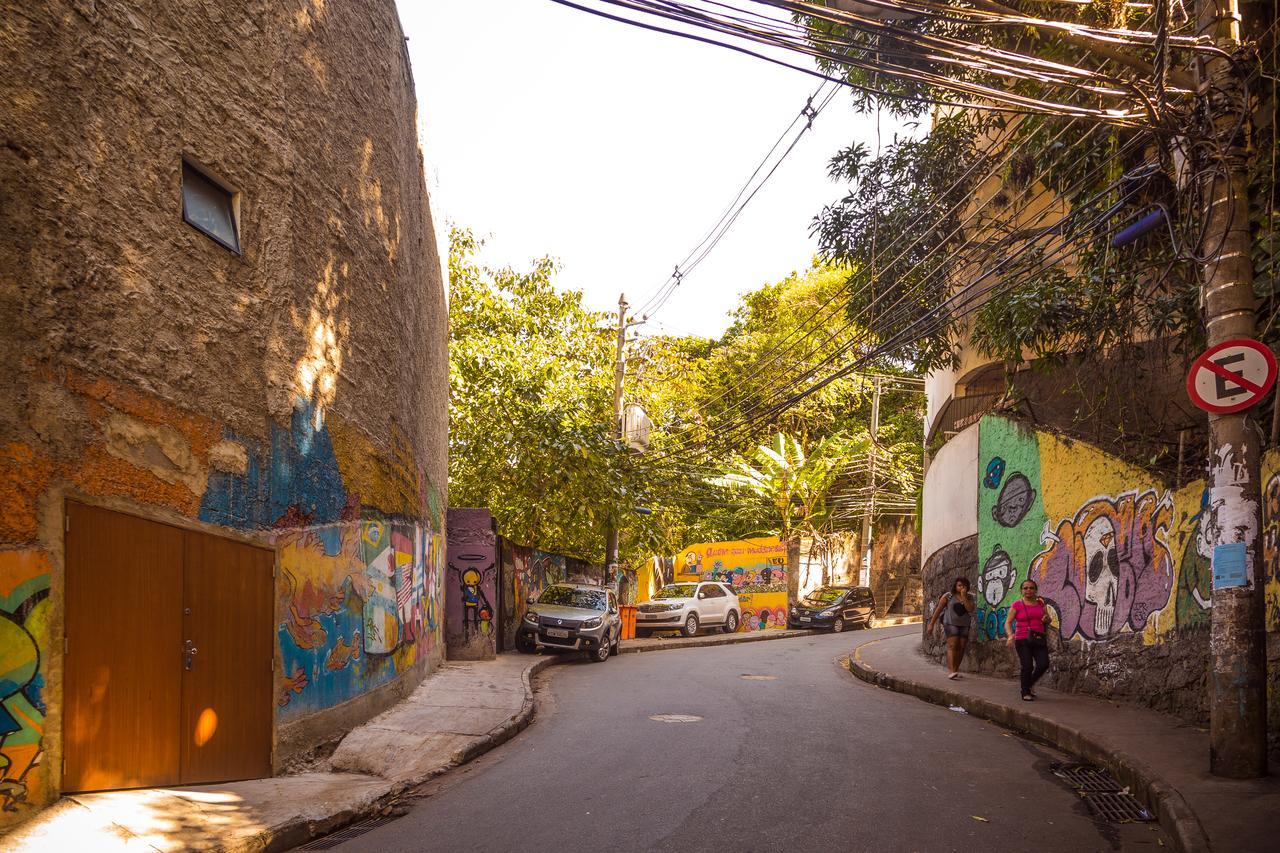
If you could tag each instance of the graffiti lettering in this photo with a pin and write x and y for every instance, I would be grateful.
(1109, 567)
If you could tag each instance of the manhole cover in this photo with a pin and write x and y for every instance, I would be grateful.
(759, 677)
(1085, 777)
(675, 718)
(342, 836)
(1117, 807)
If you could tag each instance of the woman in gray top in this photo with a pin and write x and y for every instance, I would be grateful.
(956, 609)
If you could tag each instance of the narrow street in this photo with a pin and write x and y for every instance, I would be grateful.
(790, 753)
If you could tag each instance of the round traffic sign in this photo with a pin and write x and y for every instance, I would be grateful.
(1232, 376)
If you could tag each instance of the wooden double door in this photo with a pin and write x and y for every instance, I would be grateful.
(168, 656)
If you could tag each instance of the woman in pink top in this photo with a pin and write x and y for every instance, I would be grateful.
(1032, 617)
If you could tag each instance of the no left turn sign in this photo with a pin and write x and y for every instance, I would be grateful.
(1232, 376)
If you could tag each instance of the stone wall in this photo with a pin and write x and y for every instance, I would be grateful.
(293, 393)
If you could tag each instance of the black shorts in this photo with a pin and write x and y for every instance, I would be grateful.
(956, 630)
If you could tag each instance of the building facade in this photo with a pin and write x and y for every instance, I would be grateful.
(223, 418)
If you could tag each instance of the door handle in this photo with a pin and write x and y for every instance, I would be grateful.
(188, 654)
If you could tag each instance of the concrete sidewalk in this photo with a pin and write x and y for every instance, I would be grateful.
(459, 712)
(1164, 763)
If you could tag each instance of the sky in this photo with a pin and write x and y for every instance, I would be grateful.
(552, 132)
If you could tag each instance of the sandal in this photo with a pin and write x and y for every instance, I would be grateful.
(953, 675)
(1027, 697)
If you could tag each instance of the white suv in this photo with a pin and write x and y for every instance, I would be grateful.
(686, 607)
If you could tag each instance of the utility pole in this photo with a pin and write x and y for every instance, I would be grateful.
(619, 373)
(864, 574)
(1237, 663)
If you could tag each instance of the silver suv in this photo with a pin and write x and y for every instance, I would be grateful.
(572, 617)
(686, 607)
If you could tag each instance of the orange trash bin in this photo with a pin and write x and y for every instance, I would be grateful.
(628, 614)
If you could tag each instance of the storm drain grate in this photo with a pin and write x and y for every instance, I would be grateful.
(1085, 777)
(1117, 807)
(344, 835)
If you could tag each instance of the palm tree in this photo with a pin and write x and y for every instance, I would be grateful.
(786, 485)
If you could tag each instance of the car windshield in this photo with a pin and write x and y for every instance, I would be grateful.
(826, 595)
(679, 590)
(568, 596)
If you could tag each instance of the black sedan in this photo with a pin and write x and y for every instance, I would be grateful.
(834, 607)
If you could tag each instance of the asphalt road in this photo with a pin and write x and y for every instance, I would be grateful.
(805, 758)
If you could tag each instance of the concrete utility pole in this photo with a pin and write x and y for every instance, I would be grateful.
(1237, 662)
(864, 574)
(619, 373)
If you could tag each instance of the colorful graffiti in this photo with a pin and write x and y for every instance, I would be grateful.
(1271, 538)
(472, 587)
(24, 630)
(756, 569)
(1112, 550)
(360, 605)
(1108, 567)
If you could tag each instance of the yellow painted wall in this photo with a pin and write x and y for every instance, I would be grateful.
(755, 568)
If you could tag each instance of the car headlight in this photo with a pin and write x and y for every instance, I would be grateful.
(830, 611)
(531, 616)
(593, 622)
(794, 611)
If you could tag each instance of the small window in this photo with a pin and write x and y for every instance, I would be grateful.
(210, 207)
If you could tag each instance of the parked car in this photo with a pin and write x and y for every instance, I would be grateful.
(834, 607)
(688, 607)
(572, 617)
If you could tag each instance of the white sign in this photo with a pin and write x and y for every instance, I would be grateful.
(1232, 376)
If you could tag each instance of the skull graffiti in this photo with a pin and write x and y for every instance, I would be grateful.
(1108, 568)
(1103, 575)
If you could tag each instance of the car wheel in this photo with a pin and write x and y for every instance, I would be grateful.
(600, 653)
(617, 645)
(525, 644)
(731, 624)
(690, 628)
(838, 625)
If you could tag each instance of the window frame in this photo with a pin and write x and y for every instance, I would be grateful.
(233, 196)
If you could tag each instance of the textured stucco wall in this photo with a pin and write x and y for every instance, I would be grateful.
(950, 494)
(294, 395)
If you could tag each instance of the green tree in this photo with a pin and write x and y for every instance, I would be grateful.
(530, 405)
(789, 487)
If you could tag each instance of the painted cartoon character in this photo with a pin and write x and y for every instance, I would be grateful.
(477, 612)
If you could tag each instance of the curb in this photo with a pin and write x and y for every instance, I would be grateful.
(721, 640)
(1175, 816)
(292, 835)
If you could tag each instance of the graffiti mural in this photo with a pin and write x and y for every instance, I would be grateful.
(360, 604)
(1108, 567)
(471, 590)
(24, 615)
(756, 569)
(1113, 550)
(1271, 538)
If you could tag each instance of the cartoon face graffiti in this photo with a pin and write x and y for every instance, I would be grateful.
(477, 612)
(1014, 502)
(1103, 566)
(998, 576)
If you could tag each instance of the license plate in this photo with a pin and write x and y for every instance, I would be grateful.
(557, 632)
(806, 618)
